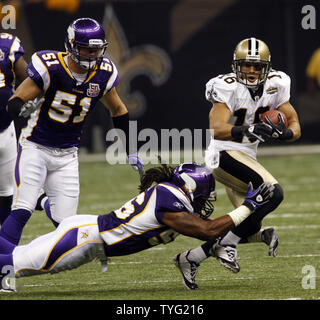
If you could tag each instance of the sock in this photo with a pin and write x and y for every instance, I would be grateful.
(46, 207)
(6, 260)
(14, 224)
(197, 255)
(6, 247)
(4, 213)
(230, 239)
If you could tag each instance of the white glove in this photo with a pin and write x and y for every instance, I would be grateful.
(30, 106)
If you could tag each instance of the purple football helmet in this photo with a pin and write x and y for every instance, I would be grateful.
(199, 185)
(86, 33)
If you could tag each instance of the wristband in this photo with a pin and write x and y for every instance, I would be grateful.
(287, 135)
(239, 214)
(122, 123)
(238, 131)
(14, 107)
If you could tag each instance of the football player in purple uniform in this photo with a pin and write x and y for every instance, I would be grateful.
(12, 64)
(180, 201)
(61, 89)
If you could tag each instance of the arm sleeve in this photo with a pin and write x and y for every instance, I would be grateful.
(16, 50)
(284, 85)
(38, 72)
(217, 90)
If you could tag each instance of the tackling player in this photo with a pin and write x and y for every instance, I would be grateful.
(60, 91)
(238, 99)
(179, 202)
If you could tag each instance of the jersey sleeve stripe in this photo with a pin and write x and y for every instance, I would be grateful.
(42, 70)
(113, 79)
(14, 48)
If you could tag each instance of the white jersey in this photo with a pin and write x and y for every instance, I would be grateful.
(244, 109)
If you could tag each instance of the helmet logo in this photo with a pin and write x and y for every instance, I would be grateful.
(190, 184)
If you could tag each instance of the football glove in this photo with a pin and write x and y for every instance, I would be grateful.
(279, 131)
(29, 107)
(259, 197)
(258, 131)
(136, 163)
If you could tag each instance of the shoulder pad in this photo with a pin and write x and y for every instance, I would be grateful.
(279, 78)
(221, 88)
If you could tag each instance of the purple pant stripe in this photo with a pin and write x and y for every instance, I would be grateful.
(66, 243)
(16, 171)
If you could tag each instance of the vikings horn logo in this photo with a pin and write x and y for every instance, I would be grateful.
(1, 55)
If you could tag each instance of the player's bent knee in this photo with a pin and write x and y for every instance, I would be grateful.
(278, 194)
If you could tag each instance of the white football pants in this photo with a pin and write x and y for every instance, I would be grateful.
(8, 154)
(76, 241)
(55, 170)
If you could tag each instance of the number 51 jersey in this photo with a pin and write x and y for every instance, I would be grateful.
(59, 120)
(245, 108)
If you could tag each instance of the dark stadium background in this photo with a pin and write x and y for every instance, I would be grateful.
(198, 38)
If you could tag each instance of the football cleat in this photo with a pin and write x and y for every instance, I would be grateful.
(270, 238)
(226, 255)
(6, 285)
(188, 269)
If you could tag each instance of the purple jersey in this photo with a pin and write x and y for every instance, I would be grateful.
(10, 52)
(138, 225)
(58, 122)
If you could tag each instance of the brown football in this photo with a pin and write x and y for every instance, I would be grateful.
(273, 116)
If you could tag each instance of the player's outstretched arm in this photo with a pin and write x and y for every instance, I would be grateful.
(196, 227)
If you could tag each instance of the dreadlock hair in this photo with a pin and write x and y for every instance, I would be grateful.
(164, 173)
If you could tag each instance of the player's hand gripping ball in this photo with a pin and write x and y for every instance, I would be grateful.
(277, 120)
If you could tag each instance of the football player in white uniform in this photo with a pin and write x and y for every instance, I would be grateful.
(180, 201)
(238, 99)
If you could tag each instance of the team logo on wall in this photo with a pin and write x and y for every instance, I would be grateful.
(147, 59)
(93, 90)
(1, 55)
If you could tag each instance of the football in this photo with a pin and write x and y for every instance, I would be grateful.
(273, 116)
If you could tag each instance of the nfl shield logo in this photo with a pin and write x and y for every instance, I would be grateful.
(93, 90)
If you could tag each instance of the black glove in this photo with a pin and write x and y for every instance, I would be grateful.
(279, 131)
(258, 131)
(259, 197)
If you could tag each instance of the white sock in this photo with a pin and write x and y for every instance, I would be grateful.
(230, 239)
(197, 255)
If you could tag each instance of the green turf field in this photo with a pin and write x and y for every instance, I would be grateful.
(152, 275)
